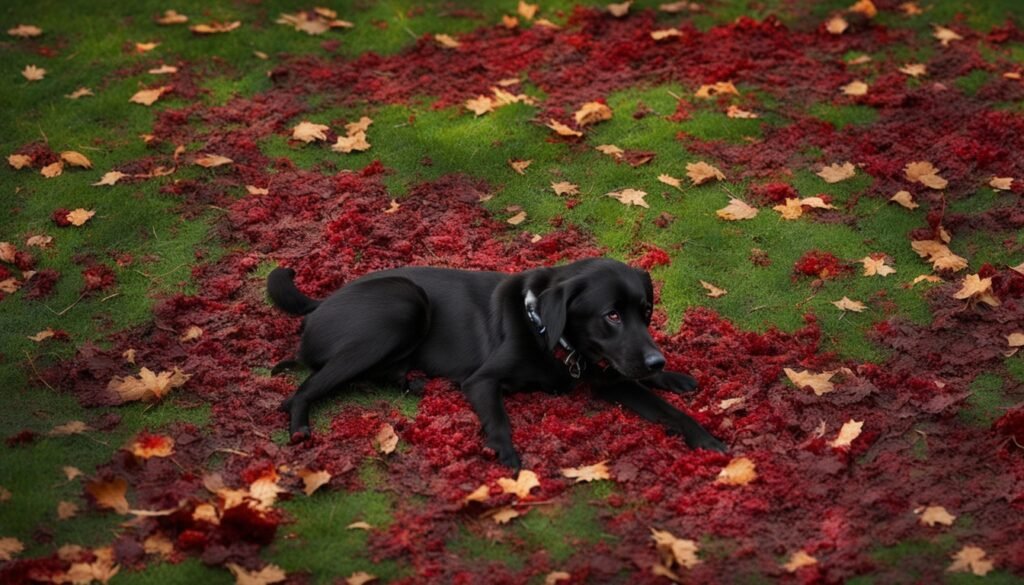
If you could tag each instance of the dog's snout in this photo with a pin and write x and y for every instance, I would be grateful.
(654, 361)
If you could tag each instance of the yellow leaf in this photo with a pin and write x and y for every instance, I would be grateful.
(480, 106)
(148, 97)
(675, 7)
(941, 257)
(33, 73)
(10, 547)
(671, 181)
(353, 143)
(914, 69)
(620, 9)
(978, 289)
(480, 494)
(314, 480)
(592, 113)
(254, 190)
(25, 31)
(172, 17)
(660, 35)
(109, 494)
(561, 129)
(447, 41)
(970, 559)
(725, 404)
(1015, 339)
(792, 209)
(504, 514)
(554, 577)
(1001, 183)
(865, 7)
(75, 427)
(925, 173)
(78, 217)
(675, 551)
(110, 178)
(527, 11)
(630, 197)
(66, 510)
(210, 161)
(836, 172)
(265, 576)
(588, 473)
(565, 188)
(819, 383)
(855, 88)
(521, 486)
(158, 544)
(44, 334)
(53, 170)
(359, 578)
(945, 35)
(148, 386)
(876, 267)
(933, 515)
(79, 93)
(308, 132)
(360, 125)
(798, 560)
(519, 166)
(610, 150)
(387, 440)
(836, 25)
(517, 218)
(359, 525)
(393, 207)
(701, 172)
(76, 159)
(737, 113)
(713, 291)
(846, 304)
(739, 471)
(905, 199)
(19, 161)
(737, 210)
(849, 432)
(215, 27)
(145, 47)
(148, 446)
(719, 88)
(71, 472)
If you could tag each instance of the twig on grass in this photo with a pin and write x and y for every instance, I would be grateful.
(66, 309)
(32, 364)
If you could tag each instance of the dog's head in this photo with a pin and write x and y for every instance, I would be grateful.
(603, 308)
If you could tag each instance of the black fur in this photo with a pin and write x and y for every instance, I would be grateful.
(473, 328)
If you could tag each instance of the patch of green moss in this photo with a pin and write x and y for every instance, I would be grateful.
(986, 402)
(842, 116)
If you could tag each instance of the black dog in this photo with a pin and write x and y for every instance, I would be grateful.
(547, 328)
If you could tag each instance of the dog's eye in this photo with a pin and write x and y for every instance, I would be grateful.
(613, 316)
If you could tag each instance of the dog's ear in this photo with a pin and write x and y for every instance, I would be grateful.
(553, 307)
(648, 285)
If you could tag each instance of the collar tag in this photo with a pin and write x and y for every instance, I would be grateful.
(531, 312)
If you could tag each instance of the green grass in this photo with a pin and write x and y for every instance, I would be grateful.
(987, 401)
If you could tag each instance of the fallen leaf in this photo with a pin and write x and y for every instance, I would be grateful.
(820, 383)
(713, 291)
(71, 472)
(846, 304)
(876, 267)
(361, 125)
(521, 486)
(527, 11)
(675, 551)
(78, 217)
(254, 190)
(667, 33)
(191, 334)
(360, 525)
(359, 578)
(933, 515)
(109, 494)
(725, 404)
(970, 559)
(79, 93)
(8, 252)
(561, 129)
(353, 143)
(855, 88)
(19, 161)
(1001, 183)
(53, 170)
(630, 197)
(739, 471)
(25, 31)
(926, 278)
(76, 159)
(975, 288)
(148, 386)
(110, 178)
(923, 172)
(610, 150)
(309, 132)
(945, 35)
(146, 446)
(480, 494)
(791, 209)
(33, 73)
(701, 172)
(10, 285)
(798, 560)
(265, 576)
(737, 210)
(588, 473)
(66, 510)
(102, 568)
(849, 432)
(210, 161)
(480, 105)
(10, 547)
(620, 9)
(565, 188)
(145, 47)
(517, 218)
(519, 166)
(836, 172)
(671, 181)
(447, 41)
(554, 577)
(158, 544)
(592, 113)
(914, 69)
(905, 199)
(148, 97)
(393, 207)
(44, 334)
(386, 439)
(504, 514)
(314, 480)
(172, 17)
(129, 355)
(75, 427)
(720, 88)
(865, 7)
(737, 113)
(836, 25)
(941, 257)
(215, 27)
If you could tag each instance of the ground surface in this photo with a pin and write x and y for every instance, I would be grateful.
(167, 275)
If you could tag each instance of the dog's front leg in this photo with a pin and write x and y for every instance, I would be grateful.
(485, 397)
(650, 406)
(672, 381)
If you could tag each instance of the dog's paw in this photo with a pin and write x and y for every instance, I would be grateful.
(707, 442)
(300, 435)
(509, 458)
(678, 383)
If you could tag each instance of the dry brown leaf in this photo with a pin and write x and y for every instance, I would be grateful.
(265, 576)
(565, 188)
(561, 129)
(148, 386)
(820, 383)
(865, 7)
(701, 172)
(876, 267)
(53, 170)
(791, 209)
(1015, 339)
(847, 304)
(10, 547)
(75, 427)
(933, 515)
(172, 17)
(148, 446)
(44, 334)
(10, 285)
(517, 218)
(905, 199)
(158, 544)
(675, 551)
(129, 355)
(725, 404)
(148, 97)
(78, 217)
(25, 31)
(739, 471)
(386, 439)
(1001, 183)
(925, 173)
(7, 252)
(215, 27)
(79, 93)
(527, 11)
(76, 159)
(554, 577)
(504, 98)
(671, 181)
(914, 69)
(309, 132)
(361, 125)
(447, 41)
(855, 88)
(971, 559)
(254, 190)
(713, 291)
(359, 525)
(836, 25)
(619, 9)
(193, 333)
(836, 172)
(666, 33)
(738, 113)
(798, 560)
(592, 113)
(66, 510)
(19, 161)
(353, 143)
(719, 88)
(737, 210)
(630, 197)
(520, 486)
(519, 166)
(359, 578)
(480, 494)
(680, 6)
(504, 514)
(610, 150)
(941, 257)
(39, 241)
(110, 178)
(109, 494)
(145, 47)
(849, 432)
(71, 472)
(480, 105)
(314, 480)
(210, 161)
(975, 288)
(588, 473)
(33, 73)
(393, 207)
(945, 35)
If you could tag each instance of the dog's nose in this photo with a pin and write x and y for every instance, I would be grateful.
(654, 361)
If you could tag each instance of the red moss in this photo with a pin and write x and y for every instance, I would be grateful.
(654, 257)
(41, 284)
(820, 264)
(97, 277)
(60, 217)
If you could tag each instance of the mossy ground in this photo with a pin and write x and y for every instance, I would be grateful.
(94, 43)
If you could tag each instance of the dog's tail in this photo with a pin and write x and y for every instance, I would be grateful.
(285, 295)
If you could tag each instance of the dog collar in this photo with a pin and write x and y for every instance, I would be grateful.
(565, 353)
